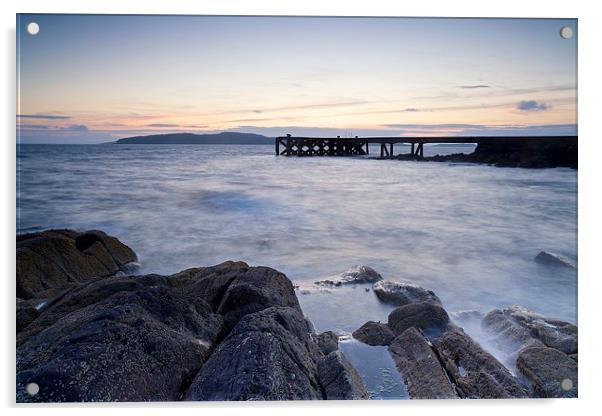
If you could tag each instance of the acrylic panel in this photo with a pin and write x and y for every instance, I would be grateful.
(221, 208)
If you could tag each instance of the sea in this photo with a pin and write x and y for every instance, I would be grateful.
(468, 232)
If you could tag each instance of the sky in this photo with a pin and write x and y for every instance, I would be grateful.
(93, 78)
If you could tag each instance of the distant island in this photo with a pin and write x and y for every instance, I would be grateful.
(191, 138)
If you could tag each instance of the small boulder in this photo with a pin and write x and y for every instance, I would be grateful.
(420, 368)
(354, 275)
(374, 333)
(552, 259)
(402, 293)
(339, 379)
(328, 342)
(551, 372)
(425, 316)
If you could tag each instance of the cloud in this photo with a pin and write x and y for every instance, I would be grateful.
(411, 110)
(44, 116)
(531, 105)
(435, 126)
(34, 126)
(162, 125)
(472, 87)
(76, 127)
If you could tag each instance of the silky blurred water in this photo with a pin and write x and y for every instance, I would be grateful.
(468, 232)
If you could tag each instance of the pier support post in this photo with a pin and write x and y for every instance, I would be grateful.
(390, 149)
(277, 149)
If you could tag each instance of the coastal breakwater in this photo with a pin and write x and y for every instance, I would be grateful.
(88, 329)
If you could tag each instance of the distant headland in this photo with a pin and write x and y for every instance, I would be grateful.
(191, 138)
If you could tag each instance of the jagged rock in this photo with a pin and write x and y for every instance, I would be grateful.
(253, 290)
(374, 333)
(553, 259)
(403, 292)
(328, 342)
(50, 261)
(475, 372)
(26, 313)
(551, 372)
(527, 328)
(116, 339)
(425, 316)
(339, 379)
(268, 355)
(420, 368)
(210, 282)
(355, 275)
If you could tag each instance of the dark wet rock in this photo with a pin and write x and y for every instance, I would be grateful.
(402, 293)
(551, 372)
(574, 357)
(422, 372)
(27, 312)
(50, 261)
(425, 316)
(210, 282)
(327, 341)
(506, 333)
(552, 259)
(527, 328)
(268, 355)
(117, 339)
(374, 333)
(355, 275)
(475, 372)
(339, 379)
(253, 290)
(524, 152)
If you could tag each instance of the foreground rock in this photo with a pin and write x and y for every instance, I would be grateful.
(552, 259)
(438, 359)
(340, 380)
(269, 355)
(521, 328)
(116, 339)
(425, 316)
(403, 293)
(50, 261)
(374, 333)
(418, 364)
(355, 275)
(226, 332)
(550, 372)
(475, 373)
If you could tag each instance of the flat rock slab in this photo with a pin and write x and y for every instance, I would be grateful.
(475, 373)
(402, 293)
(374, 333)
(553, 259)
(354, 275)
(551, 372)
(339, 379)
(420, 368)
(522, 327)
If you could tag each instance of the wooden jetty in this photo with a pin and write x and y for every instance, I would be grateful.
(357, 146)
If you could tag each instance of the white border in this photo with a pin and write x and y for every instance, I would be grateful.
(590, 207)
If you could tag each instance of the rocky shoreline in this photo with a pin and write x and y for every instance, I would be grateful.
(88, 329)
(520, 152)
